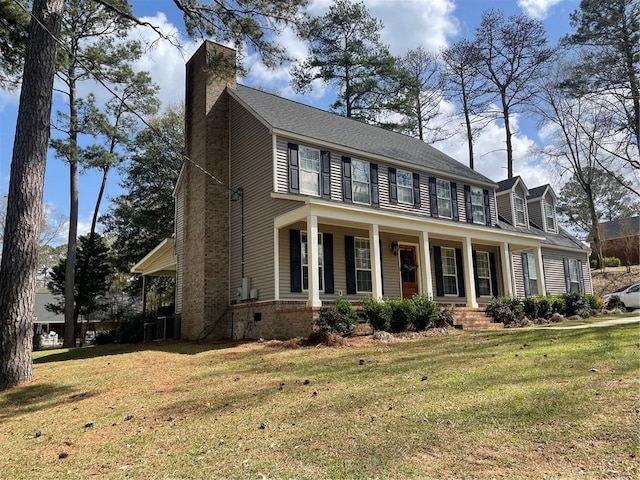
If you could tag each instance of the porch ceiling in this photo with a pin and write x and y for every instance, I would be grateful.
(159, 262)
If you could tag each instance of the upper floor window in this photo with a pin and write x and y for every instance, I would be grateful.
(520, 218)
(550, 217)
(361, 180)
(443, 191)
(309, 170)
(405, 186)
(477, 205)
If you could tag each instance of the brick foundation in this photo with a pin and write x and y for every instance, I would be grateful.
(271, 320)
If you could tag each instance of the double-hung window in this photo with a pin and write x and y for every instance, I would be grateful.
(363, 265)
(574, 276)
(520, 218)
(304, 246)
(533, 275)
(361, 180)
(449, 271)
(550, 217)
(405, 186)
(483, 272)
(309, 170)
(477, 205)
(443, 191)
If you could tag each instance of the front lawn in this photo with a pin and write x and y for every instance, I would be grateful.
(529, 403)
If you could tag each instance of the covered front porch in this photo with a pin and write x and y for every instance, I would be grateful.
(323, 250)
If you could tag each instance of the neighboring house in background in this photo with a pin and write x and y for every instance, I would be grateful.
(321, 206)
(45, 321)
(621, 239)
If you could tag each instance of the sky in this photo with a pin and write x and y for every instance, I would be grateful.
(433, 24)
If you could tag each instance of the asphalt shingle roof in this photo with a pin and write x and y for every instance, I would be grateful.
(537, 192)
(560, 239)
(622, 227)
(323, 126)
(507, 184)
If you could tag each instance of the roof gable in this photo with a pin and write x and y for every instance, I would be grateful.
(325, 127)
(510, 184)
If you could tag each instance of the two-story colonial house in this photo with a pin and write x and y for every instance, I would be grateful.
(283, 207)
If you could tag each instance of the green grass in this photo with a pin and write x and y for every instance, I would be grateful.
(508, 404)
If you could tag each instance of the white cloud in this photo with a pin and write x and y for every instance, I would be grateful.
(537, 9)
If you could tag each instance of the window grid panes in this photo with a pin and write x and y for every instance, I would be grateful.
(443, 191)
(363, 265)
(574, 276)
(551, 220)
(533, 276)
(304, 246)
(309, 170)
(520, 211)
(483, 272)
(477, 205)
(360, 181)
(405, 186)
(449, 271)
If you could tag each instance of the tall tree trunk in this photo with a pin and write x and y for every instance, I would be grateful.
(24, 205)
(507, 132)
(70, 323)
(467, 121)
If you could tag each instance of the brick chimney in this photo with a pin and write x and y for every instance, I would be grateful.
(202, 245)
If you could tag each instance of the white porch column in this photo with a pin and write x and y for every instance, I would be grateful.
(425, 265)
(469, 283)
(312, 261)
(376, 265)
(542, 289)
(276, 263)
(505, 260)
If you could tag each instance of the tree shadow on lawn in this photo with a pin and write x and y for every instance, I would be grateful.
(33, 398)
(177, 347)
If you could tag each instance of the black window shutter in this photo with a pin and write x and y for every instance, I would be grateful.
(487, 206)
(393, 186)
(416, 190)
(525, 274)
(567, 275)
(325, 158)
(493, 273)
(460, 270)
(294, 173)
(474, 257)
(437, 258)
(375, 189)
(295, 256)
(346, 179)
(580, 276)
(433, 197)
(350, 259)
(467, 203)
(454, 201)
(327, 250)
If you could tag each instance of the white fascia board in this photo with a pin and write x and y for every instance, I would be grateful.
(179, 180)
(372, 156)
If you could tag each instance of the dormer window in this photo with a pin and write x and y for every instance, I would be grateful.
(550, 217)
(520, 217)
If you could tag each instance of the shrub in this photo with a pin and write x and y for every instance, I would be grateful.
(426, 312)
(131, 329)
(445, 317)
(594, 302)
(545, 307)
(345, 309)
(574, 303)
(557, 304)
(105, 337)
(515, 305)
(377, 313)
(612, 262)
(403, 312)
(332, 321)
(37, 341)
(614, 302)
(501, 311)
(594, 263)
(530, 307)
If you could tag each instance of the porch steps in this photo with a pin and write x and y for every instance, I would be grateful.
(468, 318)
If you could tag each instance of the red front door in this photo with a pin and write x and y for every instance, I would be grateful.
(408, 270)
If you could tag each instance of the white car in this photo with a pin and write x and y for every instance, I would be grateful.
(629, 296)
